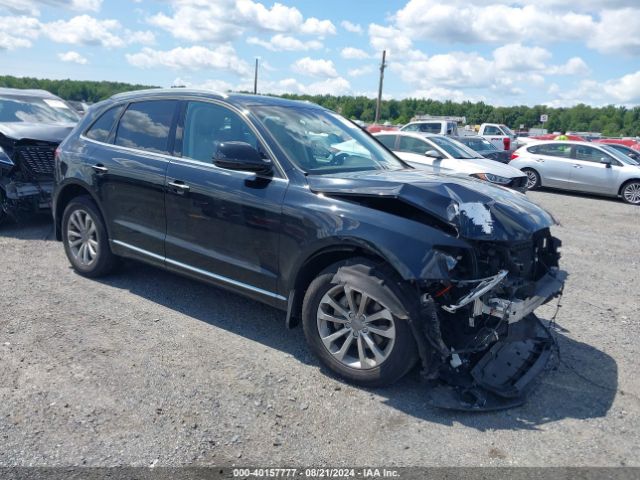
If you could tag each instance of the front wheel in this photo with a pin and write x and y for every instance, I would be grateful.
(631, 192)
(85, 239)
(533, 178)
(354, 334)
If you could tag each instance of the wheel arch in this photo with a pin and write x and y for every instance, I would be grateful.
(64, 196)
(625, 183)
(316, 263)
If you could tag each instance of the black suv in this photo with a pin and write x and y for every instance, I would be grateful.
(291, 204)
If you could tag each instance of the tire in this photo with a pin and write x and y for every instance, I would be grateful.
(85, 239)
(398, 354)
(533, 178)
(630, 192)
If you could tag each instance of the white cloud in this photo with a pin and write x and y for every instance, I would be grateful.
(73, 57)
(18, 32)
(31, 7)
(617, 32)
(313, 26)
(223, 57)
(351, 27)
(280, 42)
(335, 86)
(618, 91)
(353, 53)
(516, 57)
(225, 20)
(315, 67)
(574, 66)
(439, 93)
(87, 30)
(358, 72)
(388, 38)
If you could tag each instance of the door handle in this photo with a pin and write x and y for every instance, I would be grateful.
(577, 166)
(179, 186)
(100, 169)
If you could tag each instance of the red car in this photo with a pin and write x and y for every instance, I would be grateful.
(375, 128)
(627, 142)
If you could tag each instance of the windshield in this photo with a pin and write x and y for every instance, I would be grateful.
(453, 148)
(618, 155)
(35, 110)
(322, 142)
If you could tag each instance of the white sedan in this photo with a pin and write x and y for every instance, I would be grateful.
(445, 155)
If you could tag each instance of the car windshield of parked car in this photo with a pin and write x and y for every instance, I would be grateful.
(618, 155)
(508, 131)
(454, 148)
(322, 142)
(36, 110)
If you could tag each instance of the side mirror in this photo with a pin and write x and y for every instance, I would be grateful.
(433, 154)
(606, 161)
(241, 156)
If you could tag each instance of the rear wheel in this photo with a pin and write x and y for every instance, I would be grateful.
(631, 192)
(85, 239)
(354, 334)
(533, 178)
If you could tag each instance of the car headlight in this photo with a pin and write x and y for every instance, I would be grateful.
(490, 177)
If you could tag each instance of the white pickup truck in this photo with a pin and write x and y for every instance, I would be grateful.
(499, 135)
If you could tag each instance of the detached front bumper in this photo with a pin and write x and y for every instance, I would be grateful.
(37, 192)
(504, 373)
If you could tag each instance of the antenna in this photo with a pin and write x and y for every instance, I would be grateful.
(383, 65)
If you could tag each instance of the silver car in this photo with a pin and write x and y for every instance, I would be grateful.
(579, 166)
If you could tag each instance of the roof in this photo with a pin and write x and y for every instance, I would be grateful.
(241, 99)
(570, 142)
(421, 135)
(27, 92)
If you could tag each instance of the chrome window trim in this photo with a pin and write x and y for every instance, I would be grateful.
(205, 273)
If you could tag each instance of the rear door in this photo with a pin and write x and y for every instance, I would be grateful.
(553, 163)
(589, 174)
(222, 225)
(130, 177)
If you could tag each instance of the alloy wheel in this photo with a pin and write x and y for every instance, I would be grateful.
(82, 238)
(356, 330)
(631, 193)
(532, 179)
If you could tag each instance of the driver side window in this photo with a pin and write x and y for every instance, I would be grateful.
(590, 154)
(206, 125)
(412, 145)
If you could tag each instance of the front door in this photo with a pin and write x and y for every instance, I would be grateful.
(589, 174)
(553, 163)
(222, 225)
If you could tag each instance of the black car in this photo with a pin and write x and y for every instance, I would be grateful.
(485, 148)
(293, 205)
(32, 124)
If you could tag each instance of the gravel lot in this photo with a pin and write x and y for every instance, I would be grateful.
(148, 368)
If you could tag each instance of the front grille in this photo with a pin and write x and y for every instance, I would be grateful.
(37, 159)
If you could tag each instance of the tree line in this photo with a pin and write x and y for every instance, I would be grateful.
(609, 120)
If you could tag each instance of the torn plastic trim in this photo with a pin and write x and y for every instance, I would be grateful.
(19, 190)
(485, 285)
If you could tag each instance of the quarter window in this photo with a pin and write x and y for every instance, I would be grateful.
(147, 125)
(102, 127)
(413, 145)
(206, 125)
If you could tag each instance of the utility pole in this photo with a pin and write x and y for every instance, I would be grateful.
(255, 79)
(383, 65)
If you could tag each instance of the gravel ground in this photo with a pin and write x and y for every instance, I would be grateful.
(148, 368)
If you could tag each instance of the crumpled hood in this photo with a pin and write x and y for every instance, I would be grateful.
(36, 131)
(478, 210)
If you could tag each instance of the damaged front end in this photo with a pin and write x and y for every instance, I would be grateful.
(26, 176)
(481, 343)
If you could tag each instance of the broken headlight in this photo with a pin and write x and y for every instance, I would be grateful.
(491, 178)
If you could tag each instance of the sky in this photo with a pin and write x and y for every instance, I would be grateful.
(503, 52)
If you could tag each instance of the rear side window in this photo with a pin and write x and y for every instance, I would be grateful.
(413, 145)
(102, 127)
(388, 141)
(146, 125)
(552, 149)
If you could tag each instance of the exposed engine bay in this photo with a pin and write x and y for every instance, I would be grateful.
(484, 340)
